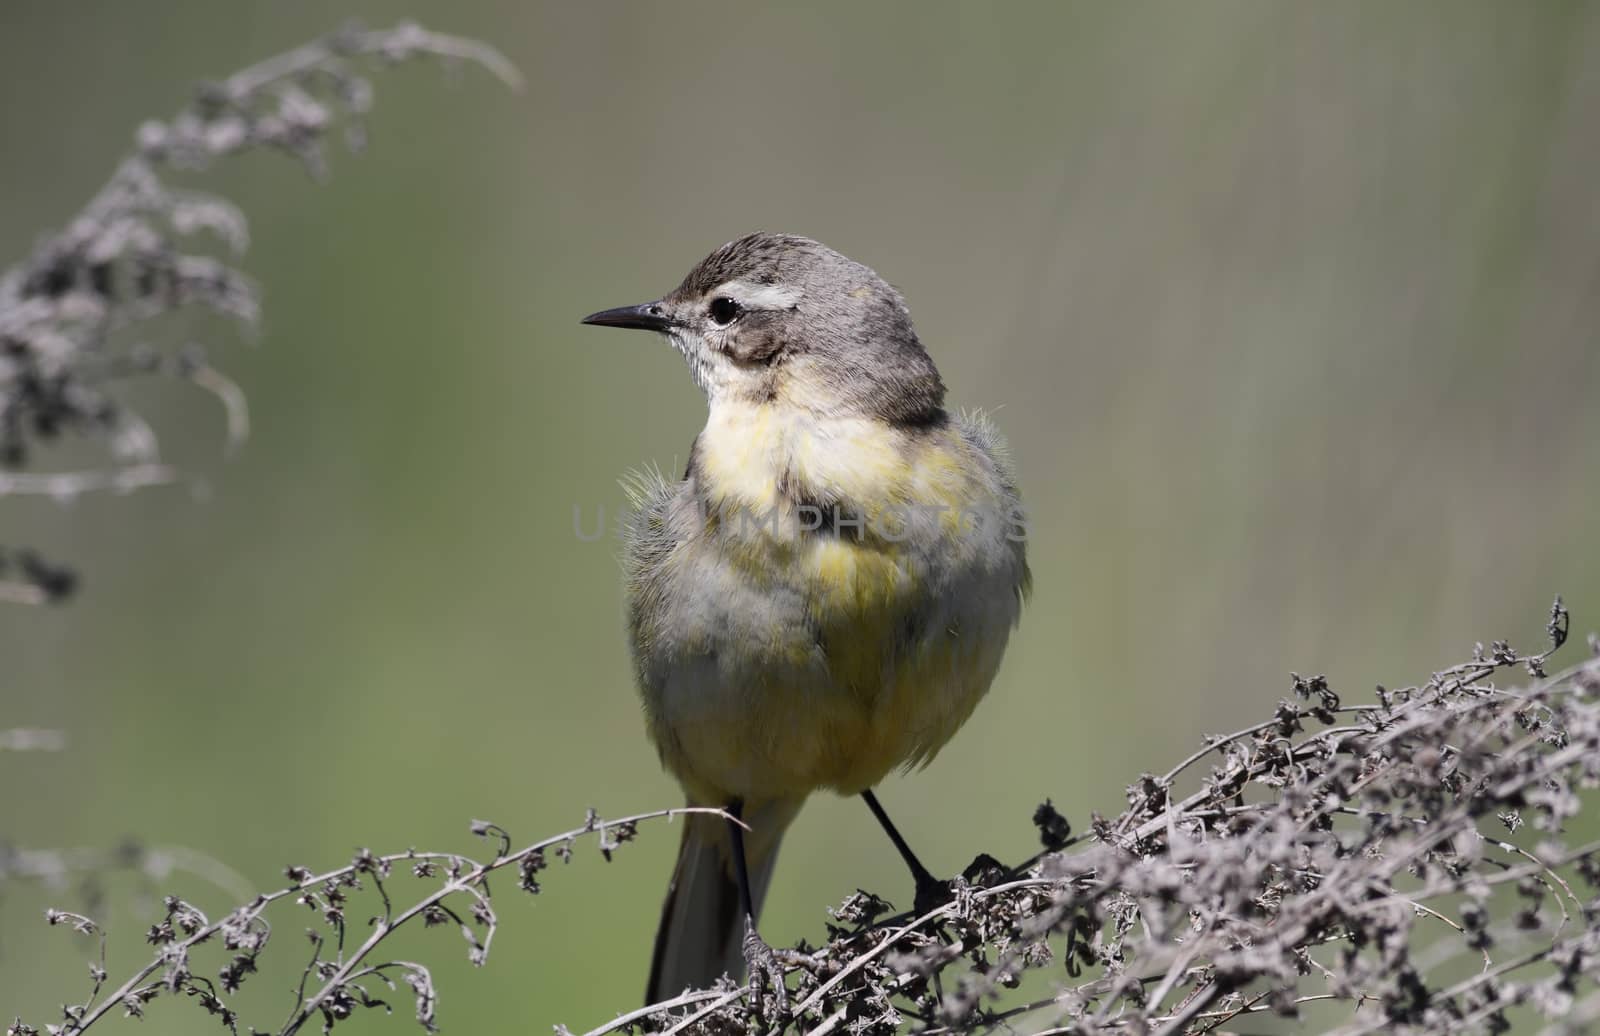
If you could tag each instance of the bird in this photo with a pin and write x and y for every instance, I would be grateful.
(825, 595)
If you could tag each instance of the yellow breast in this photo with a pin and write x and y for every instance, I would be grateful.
(830, 659)
(757, 457)
(859, 587)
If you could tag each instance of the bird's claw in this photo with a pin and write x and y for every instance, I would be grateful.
(766, 965)
(931, 895)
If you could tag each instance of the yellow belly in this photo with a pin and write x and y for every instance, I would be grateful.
(843, 660)
(789, 714)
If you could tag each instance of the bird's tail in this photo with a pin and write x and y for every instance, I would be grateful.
(702, 922)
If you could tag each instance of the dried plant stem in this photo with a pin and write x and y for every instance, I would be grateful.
(466, 877)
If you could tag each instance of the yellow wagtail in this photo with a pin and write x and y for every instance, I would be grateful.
(826, 594)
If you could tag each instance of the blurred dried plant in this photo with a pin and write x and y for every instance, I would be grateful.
(72, 313)
(1397, 866)
(86, 873)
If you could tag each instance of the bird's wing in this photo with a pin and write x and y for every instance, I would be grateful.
(984, 437)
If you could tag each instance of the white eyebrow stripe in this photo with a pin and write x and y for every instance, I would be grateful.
(760, 296)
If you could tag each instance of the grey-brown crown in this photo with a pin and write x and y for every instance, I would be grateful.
(848, 328)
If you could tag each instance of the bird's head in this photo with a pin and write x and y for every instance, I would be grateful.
(774, 318)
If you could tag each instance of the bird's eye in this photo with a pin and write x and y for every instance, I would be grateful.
(724, 311)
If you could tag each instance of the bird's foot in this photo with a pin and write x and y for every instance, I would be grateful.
(931, 895)
(767, 966)
(983, 872)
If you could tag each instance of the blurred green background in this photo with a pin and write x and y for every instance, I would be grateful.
(1288, 311)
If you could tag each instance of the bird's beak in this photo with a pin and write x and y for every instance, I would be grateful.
(647, 316)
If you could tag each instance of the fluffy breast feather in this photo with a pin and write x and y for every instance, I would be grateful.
(774, 660)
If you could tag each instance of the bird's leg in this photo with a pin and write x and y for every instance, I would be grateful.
(760, 960)
(740, 869)
(931, 892)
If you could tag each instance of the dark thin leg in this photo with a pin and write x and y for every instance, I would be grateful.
(930, 890)
(762, 962)
(741, 869)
